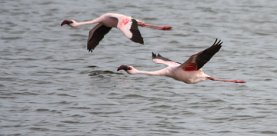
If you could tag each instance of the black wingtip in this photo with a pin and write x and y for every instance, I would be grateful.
(141, 41)
(153, 55)
(90, 50)
(138, 39)
(217, 42)
(136, 33)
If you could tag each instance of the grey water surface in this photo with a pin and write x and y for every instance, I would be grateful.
(51, 85)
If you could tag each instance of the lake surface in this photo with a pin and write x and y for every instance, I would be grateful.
(51, 85)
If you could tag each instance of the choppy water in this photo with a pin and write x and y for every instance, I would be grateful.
(51, 85)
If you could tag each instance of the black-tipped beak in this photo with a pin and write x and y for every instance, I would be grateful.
(66, 22)
(123, 67)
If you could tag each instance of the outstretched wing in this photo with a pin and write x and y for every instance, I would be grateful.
(129, 27)
(96, 34)
(197, 61)
(157, 58)
(136, 36)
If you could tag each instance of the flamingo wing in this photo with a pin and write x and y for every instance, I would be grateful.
(96, 34)
(129, 27)
(197, 61)
(159, 59)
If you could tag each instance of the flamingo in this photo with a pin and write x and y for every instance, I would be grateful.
(189, 72)
(126, 24)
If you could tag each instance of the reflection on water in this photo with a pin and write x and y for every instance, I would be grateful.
(101, 73)
(51, 85)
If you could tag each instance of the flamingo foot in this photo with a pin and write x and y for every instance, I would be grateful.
(165, 27)
(239, 81)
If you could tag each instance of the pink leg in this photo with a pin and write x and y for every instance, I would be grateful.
(224, 80)
(164, 27)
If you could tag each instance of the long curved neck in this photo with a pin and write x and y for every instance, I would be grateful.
(162, 72)
(94, 21)
(87, 22)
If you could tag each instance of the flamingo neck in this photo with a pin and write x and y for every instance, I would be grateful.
(95, 21)
(161, 72)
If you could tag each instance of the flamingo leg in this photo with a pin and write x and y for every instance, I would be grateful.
(225, 80)
(162, 27)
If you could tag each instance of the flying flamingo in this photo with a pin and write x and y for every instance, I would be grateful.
(189, 72)
(126, 24)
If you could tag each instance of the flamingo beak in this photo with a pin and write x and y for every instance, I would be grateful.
(123, 67)
(66, 22)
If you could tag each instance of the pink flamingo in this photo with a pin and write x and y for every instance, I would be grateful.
(189, 72)
(127, 24)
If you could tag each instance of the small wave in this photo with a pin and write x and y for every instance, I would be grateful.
(133, 96)
(264, 132)
(70, 122)
(42, 110)
(104, 112)
(92, 66)
(39, 129)
(102, 72)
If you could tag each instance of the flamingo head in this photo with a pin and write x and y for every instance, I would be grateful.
(66, 22)
(128, 69)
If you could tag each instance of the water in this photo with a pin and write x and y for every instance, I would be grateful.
(51, 85)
